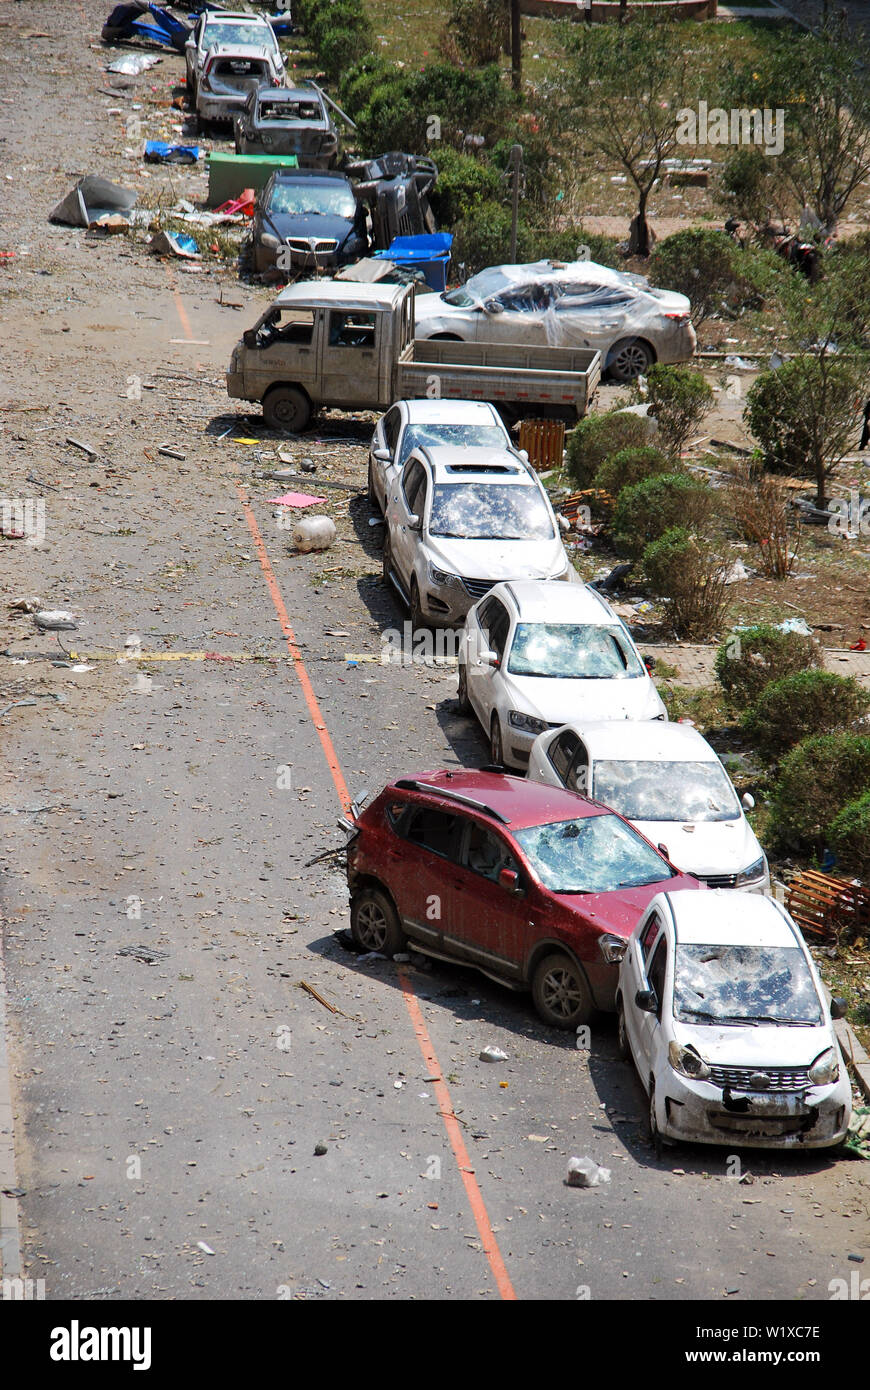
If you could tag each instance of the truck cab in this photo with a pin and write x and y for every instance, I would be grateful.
(326, 342)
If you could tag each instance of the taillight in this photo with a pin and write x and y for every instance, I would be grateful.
(678, 317)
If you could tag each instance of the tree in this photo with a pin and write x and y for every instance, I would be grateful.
(626, 85)
(476, 31)
(679, 400)
(700, 262)
(822, 89)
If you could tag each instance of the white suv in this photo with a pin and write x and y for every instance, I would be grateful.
(407, 424)
(230, 29)
(459, 521)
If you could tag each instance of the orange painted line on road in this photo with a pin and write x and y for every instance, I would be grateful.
(182, 314)
(457, 1143)
(412, 1004)
(298, 664)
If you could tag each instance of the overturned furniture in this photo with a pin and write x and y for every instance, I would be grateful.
(828, 907)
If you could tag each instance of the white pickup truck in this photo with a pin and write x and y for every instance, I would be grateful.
(337, 343)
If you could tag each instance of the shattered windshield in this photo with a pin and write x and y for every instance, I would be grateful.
(324, 199)
(574, 651)
(592, 855)
(460, 299)
(744, 984)
(222, 32)
(666, 790)
(490, 512)
(466, 436)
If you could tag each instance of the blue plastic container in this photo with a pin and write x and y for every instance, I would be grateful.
(429, 253)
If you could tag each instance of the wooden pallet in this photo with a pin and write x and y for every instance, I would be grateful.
(826, 906)
(544, 442)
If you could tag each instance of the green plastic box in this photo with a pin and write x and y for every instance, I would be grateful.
(230, 174)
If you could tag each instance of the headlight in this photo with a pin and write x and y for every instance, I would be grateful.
(527, 722)
(267, 239)
(612, 948)
(687, 1061)
(753, 874)
(443, 578)
(825, 1069)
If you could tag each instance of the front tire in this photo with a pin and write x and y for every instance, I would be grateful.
(560, 992)
(462, 690)
(655, 1133)
(418, 617)
(374, 922)
(496, 751)
(287, 408)
(622, 1043)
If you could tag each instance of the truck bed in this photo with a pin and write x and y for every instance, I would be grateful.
(561, 379)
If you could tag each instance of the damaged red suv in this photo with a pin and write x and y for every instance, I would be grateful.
(535, 886)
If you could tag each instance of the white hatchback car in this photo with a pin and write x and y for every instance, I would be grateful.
(667, 780)
(407, 424)
(578, 304)
(248, 39)
(720, 1005)
(536, 656)
(458, 521)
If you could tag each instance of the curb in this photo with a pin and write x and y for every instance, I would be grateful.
(10, 1241)
(856, 1058)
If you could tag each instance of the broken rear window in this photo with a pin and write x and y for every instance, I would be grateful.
(594, 854)
(744, 984)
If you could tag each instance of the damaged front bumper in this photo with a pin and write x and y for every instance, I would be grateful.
(702, 1113)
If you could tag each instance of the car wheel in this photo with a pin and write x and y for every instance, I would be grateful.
(374, 922)
(654, 1131)
(418, 617)
(287, 408)
(462, 690)
(629, 359)
(622, 1043)
(496, 752)
(560, 992)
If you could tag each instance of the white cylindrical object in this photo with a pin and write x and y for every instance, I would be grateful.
(314, 533)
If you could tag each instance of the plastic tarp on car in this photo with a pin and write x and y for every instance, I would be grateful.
(92, 198)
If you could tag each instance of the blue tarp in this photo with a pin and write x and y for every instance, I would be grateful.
(159, 152)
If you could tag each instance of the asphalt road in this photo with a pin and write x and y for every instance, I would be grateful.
(168, 1103)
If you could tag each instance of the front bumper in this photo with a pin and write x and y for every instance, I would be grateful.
(700, 1112)
(219, 108)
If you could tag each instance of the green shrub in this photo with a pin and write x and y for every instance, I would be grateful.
(476, 31)
(340, 34)
(463, 184)
(702, 263)
(598, 437)
(484, 238)
(679, 399)
(849, 834)
(751, 658)
(802, 414)
(815, 781)
(808, 702)
(646, 510)
(689, 573)
(630, 466)
(393, 107)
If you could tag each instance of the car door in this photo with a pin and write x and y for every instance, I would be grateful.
(634, 978)
(425, 867)
(592, 316)
(557, 760)
(407, 499)
(491, 926)
(649, 1024)
(350, 357)
(493, 627)
(516, 315)
(386, 437)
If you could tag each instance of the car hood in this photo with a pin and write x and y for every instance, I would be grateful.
(573, 701)
(497, 560)
(618, 912)
(758, 1045)
(310, 224)
(705, 847)
(430, 310)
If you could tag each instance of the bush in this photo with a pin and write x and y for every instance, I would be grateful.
(340, 33)
(689, 574)
(679, 399)
(463, 184)
(815, 781)
(702, 263)
(630, 466)
(745, 182)
(803, 414)
(849, 834)
(476, 31)
(646, 510)
(761, 506)
(598, 437)
(809, 702)
(750, 659)
(484, 238)
(393, 107)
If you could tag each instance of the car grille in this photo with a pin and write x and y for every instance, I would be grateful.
(718, 880)
(478, 587)
(310, 246)
(740, 1078)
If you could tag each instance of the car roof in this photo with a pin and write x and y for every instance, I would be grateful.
(542, 600)
(653, 740)
(496, 278)
(344, 293)
(722, 917)
(446, 411)
(482, 462)
(305, 175)
(516, 801)
(237, 16)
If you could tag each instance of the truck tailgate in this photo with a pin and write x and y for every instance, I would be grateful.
(503, 372)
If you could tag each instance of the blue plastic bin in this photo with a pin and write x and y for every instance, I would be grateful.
(429, 253)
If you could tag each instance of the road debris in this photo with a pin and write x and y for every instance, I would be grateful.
(585, 1172)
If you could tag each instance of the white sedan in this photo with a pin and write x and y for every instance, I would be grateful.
(536, 655)
(467, 424)
(668, 781)
(579, 304)
(720, 1005)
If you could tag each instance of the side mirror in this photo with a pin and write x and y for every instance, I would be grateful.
(838, 1008)
(249, 337)
(382, 455)
(509, 880)
(650, 663)
(489, 658)
(416, 522)
(663, 849)
(524, 454)
(358, 802)
(646, 1001)
(564, 524)
(492, 306)
(747, 801)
